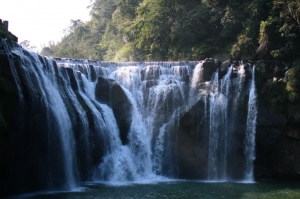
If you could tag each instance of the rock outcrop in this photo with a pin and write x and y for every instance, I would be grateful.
(191, 143)
(109, 92)
(209, 67)
(278, 125)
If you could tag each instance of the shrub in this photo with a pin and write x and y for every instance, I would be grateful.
(293, 83)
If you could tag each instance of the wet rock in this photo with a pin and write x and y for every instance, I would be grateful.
(269, 117)
(71, 73)
(296, 117)
(285, 158)
(293, 131)
(150, 83)
(224, 66)
(267, 137)
(279, 72)
(208, 68)
(93, 73)
(277, 144)
(189, 146)
(109, 92)
(187, 120)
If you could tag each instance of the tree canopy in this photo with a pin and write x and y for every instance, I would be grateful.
(138, 30)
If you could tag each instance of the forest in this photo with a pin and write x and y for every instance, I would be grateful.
(141, 30)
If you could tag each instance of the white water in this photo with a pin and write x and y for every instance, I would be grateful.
(218, 127)
(49, 91)
(154, 97)
(155, 92)
(220, 137)
(159, 150)
(197, 76)
(149, 123)
(240, 80)
(195, 82)
(251, 129)
(139, 142)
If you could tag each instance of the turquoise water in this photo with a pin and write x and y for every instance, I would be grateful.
(182, 189)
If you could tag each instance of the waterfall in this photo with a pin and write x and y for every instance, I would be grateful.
(117, 165)
(40, 76)
(251, 129)
(159, 150)
(226, 96)
(156, 92)
(83, 120)
(195, 82)
(217, 164)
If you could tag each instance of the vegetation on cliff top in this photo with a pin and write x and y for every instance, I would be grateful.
(4, 33)
(279, 86)
(127, 30)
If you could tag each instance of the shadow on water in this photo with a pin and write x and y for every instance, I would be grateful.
(181, 189)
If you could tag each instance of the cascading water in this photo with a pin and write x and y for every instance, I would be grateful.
(41, 79)
(157, 91)
(120, 122)
(251, 129)
(195, 82)
(217, 164)
(227, 123)
(159, 150)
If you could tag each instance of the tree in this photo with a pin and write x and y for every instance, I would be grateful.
(128, 30)
(26, 44)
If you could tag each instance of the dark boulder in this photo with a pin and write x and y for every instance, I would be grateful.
(224, 67)
(277, 145)
(187, 143)
(269, 117)
(93, 73)
(109, 92)
(209, 67)
(72, 76)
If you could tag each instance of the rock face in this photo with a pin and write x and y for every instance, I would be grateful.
(278, 125)
(277, 148)
(111, 93)
(189, 145)
(192, 145)
(209, 66)
(277, 132)
(277, 145)
(186, 144)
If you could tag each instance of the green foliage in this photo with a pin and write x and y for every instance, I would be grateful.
(261, 75)
(183, 30)
(126, 53)
(290, 14)
(277, 97)
(243, 47)
(282, 96)
(263, 39)
(293, 83)
(6, 34)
